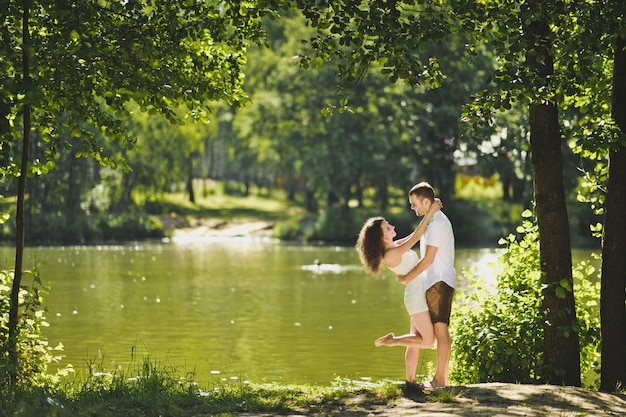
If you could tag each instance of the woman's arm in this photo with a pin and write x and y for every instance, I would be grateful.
(410, 240)
(392, 256)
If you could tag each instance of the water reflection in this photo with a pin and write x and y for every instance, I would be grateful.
(255, 310)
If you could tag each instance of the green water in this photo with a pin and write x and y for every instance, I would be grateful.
(236, 309)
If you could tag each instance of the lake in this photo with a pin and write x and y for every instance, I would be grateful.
(231, 309)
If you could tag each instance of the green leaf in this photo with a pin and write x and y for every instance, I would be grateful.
(560, 292)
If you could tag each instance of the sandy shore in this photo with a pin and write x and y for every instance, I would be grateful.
(220, 229)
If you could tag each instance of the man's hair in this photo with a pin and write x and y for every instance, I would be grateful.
(423, 190)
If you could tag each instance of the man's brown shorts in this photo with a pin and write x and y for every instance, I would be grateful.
(439, 299)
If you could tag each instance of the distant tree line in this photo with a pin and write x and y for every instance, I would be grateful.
(289, 135)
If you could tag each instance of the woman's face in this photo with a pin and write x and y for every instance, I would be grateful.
(389, 231)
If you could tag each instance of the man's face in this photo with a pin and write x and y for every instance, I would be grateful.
(419, 205)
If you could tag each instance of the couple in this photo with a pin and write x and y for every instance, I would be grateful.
(429, 281)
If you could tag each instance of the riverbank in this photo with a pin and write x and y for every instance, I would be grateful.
(217, 228)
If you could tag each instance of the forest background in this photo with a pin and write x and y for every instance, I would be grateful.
(334, 169)
(540, 78)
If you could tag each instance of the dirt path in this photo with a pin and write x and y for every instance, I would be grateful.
(499, 399)
(483, 400)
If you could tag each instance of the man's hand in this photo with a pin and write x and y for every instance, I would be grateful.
(403, 279)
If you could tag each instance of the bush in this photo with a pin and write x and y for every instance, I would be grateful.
(337, 224)
(292, 228)
(498, 333)
(34, 354)
(493, 218)
(497, 330)
(129, 226)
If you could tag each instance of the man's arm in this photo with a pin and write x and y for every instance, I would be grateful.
(421, 266)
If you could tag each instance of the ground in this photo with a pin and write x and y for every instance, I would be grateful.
(483, 400)
(498, 399)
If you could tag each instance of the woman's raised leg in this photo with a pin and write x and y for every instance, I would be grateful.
(422, 334)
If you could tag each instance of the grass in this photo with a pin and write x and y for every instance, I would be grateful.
(215, 200)
(156, 391)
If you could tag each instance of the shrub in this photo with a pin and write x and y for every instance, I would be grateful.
(498, 333)
(292, 228)
(336, 224)
(130, 226)
(34, 353)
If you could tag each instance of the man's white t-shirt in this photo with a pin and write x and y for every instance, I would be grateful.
(439, 233)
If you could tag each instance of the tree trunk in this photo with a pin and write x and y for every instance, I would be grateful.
(561, 346)
(561, 343)
(506, 186)
(189, 185)
(128, 181)
(612, 293)
(19, 216)
(73, 231)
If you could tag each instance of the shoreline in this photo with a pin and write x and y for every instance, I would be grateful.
(220, 229)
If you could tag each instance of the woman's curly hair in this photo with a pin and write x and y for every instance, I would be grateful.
(370, 244)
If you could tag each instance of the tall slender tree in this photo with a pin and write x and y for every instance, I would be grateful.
(600, 80)
(561, 345)
(613, 290)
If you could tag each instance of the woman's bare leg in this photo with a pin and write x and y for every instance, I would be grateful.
(411, 358)
(422, 334)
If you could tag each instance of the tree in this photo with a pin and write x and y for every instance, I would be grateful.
(71, 65)
(600, 138)
(561, 350)
(612, 295)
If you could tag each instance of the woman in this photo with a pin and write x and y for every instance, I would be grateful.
(376, 246)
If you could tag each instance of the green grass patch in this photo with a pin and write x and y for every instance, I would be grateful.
(152, 390)
(225, 206)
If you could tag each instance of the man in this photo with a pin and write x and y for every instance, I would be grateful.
(436, 268)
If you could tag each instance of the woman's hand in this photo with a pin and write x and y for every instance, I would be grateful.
(435, 206)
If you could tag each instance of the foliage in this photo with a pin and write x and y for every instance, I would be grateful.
(392, 135)
(335, 225)
(57, 229)
(293, 227)
(498, 332)
(133, 226)
(587, 285)
(493, 217)
(34, 352)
